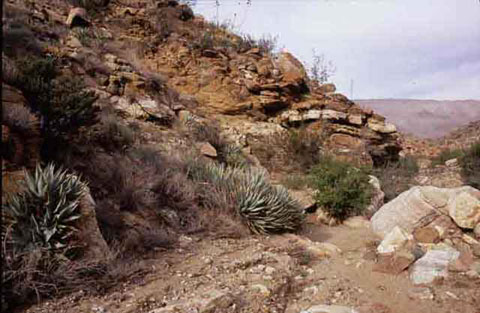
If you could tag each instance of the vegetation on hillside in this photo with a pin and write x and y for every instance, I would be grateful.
(341, 190)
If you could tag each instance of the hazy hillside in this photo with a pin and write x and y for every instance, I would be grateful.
(425, 118)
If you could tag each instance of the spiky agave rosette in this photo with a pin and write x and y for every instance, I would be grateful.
(44, 212)
(265, 208)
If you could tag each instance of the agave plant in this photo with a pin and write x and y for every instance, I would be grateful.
(43, 213)
(265, 208)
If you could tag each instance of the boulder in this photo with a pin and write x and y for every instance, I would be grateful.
(77, 18)
(95, 246)
(394, 240)
(326, 88)
(464, 208)
(433, 265)
(333, 115)
(208, 150)
(381, 126)
(395, 262)
(421, 205)
(378, 196)
(291, 68)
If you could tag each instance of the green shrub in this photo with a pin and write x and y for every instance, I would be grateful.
(341, 189)
(470, 163)
(396, 177)
(446, 155)
(263, 207)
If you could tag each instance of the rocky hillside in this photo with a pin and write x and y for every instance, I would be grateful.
(425, 118)
(159, 145)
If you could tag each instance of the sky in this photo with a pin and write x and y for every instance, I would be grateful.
(412, 49)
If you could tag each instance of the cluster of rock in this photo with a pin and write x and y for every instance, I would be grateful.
(430, 231)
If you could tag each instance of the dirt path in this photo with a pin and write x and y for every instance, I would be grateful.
(269, 274)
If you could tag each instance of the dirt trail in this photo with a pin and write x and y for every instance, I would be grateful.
(240, 266)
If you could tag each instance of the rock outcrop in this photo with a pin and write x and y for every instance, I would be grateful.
(422, 206)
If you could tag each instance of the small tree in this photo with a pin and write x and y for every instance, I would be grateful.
(321, 69)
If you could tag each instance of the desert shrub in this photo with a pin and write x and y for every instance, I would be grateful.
(267, 43)
(62, 101)
(296, 150)
(17, 117)
(114, 134)
(44, 213)
(228, 153)
(446, 155)
(470, 163)
(396, 177)
(18, 38)
(295, 181)
(263, 207)
(321, 70)
(341, 189)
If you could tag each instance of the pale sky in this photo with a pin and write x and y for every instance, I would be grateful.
(417, 49)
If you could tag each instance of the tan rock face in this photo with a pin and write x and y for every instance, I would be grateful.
(465, 209)
(95, 246)
(291, 68)
(422, 206)
(381, 127)
(208, 150)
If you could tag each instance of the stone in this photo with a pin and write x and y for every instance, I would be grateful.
(421, 205)
(95, 246)
(291, 68)
(323, 249)
(378, 196)
(74, 42)
(432, 266)
(381, 126)
(395, 262)
(312, 115)
(305, 197)
(476, 231)
(421, 293)
(465, 209)
(329, 309)
(355, 119)
(452, 162)
(333, 115)
(77, 17)
(208, 150)
(394, 240)
(326, 88)
(427, 234)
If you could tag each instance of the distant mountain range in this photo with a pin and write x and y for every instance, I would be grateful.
(425, 118)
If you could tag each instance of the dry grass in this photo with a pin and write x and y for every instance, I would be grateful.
(296, 150)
